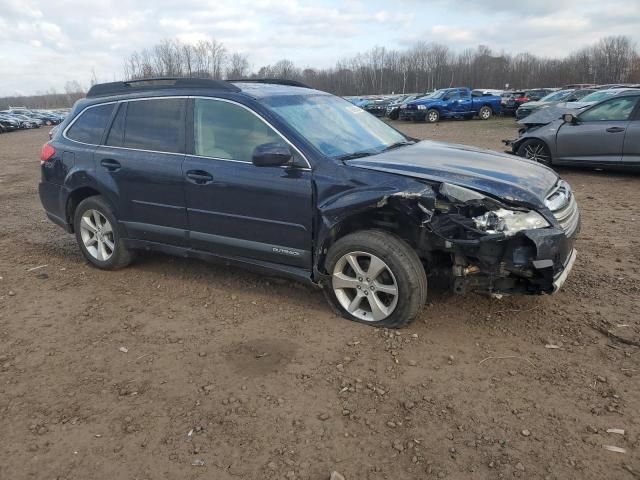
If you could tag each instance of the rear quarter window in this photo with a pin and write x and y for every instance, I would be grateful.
(90, 125)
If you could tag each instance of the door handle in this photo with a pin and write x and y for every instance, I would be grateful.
(199, 177)
(110, 164)
(615, 129)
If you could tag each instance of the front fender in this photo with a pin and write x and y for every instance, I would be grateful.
(402, 195)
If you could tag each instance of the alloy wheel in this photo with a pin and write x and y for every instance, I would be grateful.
(537, 152)
(365, 286)
(97, 235)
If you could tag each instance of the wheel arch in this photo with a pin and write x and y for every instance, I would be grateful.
(73, 200)
(391, 217)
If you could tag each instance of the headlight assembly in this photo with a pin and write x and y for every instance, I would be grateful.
(422, 107)
(509, 221)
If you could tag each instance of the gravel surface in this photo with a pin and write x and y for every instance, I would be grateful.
(174, 368)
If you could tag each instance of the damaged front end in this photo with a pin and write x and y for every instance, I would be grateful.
(476, 242)
(498, 248)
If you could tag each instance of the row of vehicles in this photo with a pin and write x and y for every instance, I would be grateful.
(18, 118)
(458, 102)
(522, 103)
(601, 130)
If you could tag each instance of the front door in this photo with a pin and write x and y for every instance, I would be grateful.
(598, 136)
(141, 162)
(631, 149)
(236, 208)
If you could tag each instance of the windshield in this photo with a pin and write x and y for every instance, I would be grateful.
(333, 125)
(597, 96)
(438, 93)
(557, 96)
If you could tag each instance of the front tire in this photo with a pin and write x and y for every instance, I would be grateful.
(433, 116)
(485, 113)
(97, 234)
(535, 150)
(376, 278)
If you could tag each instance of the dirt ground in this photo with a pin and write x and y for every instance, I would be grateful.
(176, 369)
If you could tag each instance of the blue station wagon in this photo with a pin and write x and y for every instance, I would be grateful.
(276, 176)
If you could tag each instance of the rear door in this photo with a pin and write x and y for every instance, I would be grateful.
(598, 137)
(238, 209)
(141, 166)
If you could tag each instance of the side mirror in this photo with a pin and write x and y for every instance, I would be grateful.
(569, 118)
(271, 155)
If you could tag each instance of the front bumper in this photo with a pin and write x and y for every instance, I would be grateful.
(378, 112)
(406, 114)
(559, 280)
(531, 262)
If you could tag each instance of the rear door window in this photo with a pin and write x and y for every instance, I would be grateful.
(90, 125)
(156, 124)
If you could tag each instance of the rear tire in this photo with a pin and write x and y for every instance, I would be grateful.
(376, 278)
(535, 150)
(485, 113)
(433, 116)
(98, 235)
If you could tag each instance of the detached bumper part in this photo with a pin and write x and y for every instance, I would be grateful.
(558, 282)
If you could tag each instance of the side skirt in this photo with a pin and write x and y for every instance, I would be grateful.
(295, 273)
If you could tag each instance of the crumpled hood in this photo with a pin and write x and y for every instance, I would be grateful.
(507, 177)
(547, 115)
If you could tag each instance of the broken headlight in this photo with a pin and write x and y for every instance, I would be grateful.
(509, 221)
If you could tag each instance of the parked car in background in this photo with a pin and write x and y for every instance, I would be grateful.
(378, 107)
(596, 97)
(202, 168)
(27, 122)
(511, 101)
(393, 109)
(8, 124)
(604, 135)
(571, 95)
(452, 103)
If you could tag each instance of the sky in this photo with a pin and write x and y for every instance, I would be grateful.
(44, 44)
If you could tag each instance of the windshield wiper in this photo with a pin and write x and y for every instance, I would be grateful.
(351, 156)
(397, 145)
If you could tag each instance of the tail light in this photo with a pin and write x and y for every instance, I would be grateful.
(522, 99)
(46, 153)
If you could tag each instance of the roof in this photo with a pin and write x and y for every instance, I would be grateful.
(263, 90)
(254, 87)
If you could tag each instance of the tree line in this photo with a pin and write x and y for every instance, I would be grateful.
(425, 66)
(422, 67)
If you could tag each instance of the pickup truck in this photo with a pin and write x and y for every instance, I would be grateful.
(452, 103)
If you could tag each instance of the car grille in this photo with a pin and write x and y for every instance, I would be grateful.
(564, 207)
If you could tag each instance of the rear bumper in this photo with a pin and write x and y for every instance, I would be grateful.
(53, 199)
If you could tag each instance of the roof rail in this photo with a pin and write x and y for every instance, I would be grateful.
(162, 83)
(275, 81)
